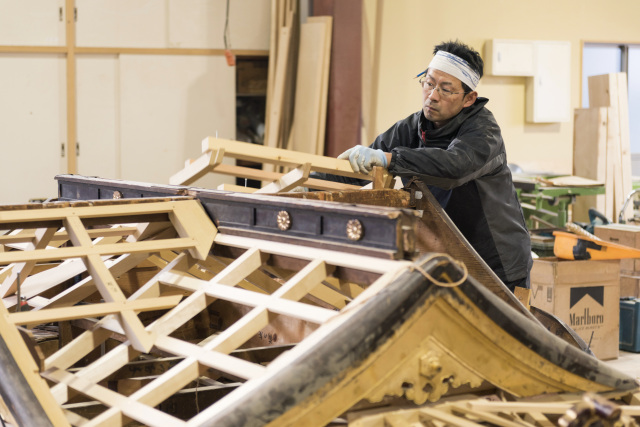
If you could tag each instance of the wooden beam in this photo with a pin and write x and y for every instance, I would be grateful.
(29, 369)
(274, 119)
(33, 49)
(115, 249)
(278, 156)
(263, 175)
(40, 241)
(166, 51)
(72, 129)
(288, 181)
(130, 51)
(129, 407)
(241, 296)
(191, 222)
(198, 168)
(39, 317)
(140, 339)
(222, 362)
(62, 236)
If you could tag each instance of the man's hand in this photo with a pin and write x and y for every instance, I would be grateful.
(363, 159)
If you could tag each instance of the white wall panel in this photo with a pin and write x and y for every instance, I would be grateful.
(31, 22)
(121, 23)
(32, 125)
(169, 104)
(200, 23)
(98, 120)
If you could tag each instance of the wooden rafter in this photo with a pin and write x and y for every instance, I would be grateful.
(214, 150)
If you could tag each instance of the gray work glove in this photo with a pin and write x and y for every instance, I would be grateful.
(363, 159)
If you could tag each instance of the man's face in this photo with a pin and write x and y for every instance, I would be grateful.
(440, 106)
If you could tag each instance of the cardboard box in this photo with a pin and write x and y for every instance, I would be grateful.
(583, 294)
(629, 285)
(622, 234)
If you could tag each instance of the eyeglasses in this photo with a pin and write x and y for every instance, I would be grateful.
(428, 87)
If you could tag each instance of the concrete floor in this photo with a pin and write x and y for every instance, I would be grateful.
(626, 362)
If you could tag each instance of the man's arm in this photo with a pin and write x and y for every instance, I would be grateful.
(476, 151)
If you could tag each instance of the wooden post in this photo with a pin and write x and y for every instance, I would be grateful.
(72, 164)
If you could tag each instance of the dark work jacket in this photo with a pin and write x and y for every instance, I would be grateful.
(467, 156)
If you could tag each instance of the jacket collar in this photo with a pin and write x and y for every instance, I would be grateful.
(427, 129)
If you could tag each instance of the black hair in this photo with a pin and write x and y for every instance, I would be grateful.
(465, 52)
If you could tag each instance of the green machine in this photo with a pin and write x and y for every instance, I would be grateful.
(548, 207)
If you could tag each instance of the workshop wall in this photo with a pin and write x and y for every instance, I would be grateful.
(400, 36)
(139, 116)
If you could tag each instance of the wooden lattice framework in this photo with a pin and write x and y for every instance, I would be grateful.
(350, 327)
(569, 410)
(215, 150)
(176, 236)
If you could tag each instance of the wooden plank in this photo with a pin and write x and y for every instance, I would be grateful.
(236, 188)
(108, 286)
(291, 22)
(609, 90)
(240, 331)
(222, 362)
(324, 91)
(77, 349)
(39, 317)
(191, 221)
(310, 87)
(273, 55)
(72, 114)
(97, 210)
(308, 253)
(288, 181)
(131, 408)
(29, 369)
(196, 302)
(251, 152)
(615, 136)
(195, 170)
(166, 51)
(484, 416)
(275, 105)
(381, 178)
(263, 175)
(40, 241)
(625, 148)
(50, 278)
(61, 236)
(116, 249)
(33, 49)
(160, 389)
(275, 305)
(447, 418)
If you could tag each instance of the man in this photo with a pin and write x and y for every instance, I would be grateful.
(455, 146)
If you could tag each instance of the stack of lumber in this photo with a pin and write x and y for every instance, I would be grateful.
(298, 80)
(601, 145)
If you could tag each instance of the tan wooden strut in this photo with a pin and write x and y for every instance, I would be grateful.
(214, 150)
(94, 310)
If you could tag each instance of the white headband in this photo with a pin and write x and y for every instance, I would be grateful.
(456, 66)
